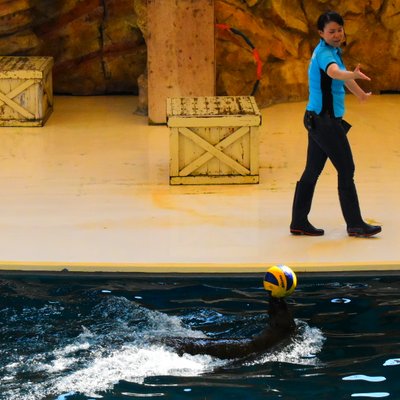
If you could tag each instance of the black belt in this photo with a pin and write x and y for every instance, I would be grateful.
(329, 114)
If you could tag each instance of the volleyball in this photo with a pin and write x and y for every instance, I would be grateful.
(280, 281)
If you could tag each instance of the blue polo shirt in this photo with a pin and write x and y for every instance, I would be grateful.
(325, 94)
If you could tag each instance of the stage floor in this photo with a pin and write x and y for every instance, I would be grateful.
(90, 191)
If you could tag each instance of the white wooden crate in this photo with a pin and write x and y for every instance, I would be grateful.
(213, 140)
(26, 91)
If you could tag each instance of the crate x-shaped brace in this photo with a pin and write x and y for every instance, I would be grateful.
(214, 151)
(7, 98)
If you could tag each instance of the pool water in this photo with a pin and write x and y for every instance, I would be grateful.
(81, 338)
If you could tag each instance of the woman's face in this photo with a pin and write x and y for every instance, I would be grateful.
(333, 34)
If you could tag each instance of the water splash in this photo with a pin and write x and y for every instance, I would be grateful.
(302, 350)
(117, 344)
(121, 340)
(64, 396)
(133, 364)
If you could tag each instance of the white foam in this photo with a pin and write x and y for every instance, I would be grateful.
(133, 364)
(58, 365)
(301, 350)
(72, 348)
(64, 396)
(372, 394)
(63, 357)
(97, 359)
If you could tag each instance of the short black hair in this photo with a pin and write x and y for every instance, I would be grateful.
(327, 17)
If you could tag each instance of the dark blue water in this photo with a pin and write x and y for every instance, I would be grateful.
(79, 338)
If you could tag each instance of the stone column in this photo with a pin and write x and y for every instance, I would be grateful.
(181, 52)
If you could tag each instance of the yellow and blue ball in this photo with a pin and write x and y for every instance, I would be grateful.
(280, 281)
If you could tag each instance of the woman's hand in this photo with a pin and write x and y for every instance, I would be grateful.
(364, 96)
(336, 73)
(360, 75)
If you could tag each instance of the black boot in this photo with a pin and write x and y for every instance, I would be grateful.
(301, 207)
(352, 214)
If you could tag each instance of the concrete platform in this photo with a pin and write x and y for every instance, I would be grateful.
(89, 192)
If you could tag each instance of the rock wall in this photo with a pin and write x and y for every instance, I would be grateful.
(285, 33)
(99, 45)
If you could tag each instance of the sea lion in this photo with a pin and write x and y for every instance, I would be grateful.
(281, 325)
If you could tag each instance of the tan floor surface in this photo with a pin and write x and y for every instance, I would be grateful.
(89, 192)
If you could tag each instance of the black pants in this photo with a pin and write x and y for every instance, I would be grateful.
(327, 138)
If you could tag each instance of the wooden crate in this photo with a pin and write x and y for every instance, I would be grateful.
(26, 92)
(213, 140)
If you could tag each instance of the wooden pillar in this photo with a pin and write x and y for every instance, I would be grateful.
(180, 52)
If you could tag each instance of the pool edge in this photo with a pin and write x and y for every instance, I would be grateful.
(190, 268)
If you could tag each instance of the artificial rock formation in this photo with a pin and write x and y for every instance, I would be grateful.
(284, 32)
(99, 46)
